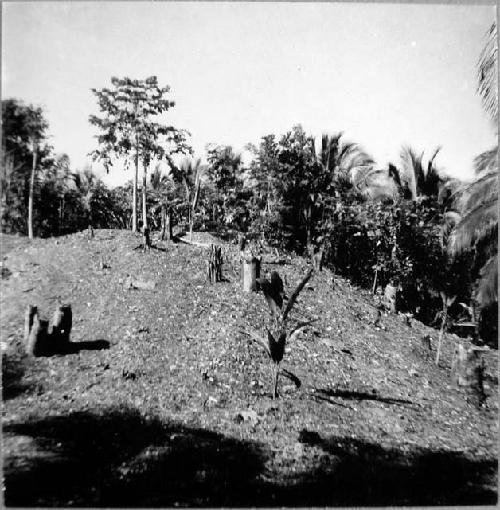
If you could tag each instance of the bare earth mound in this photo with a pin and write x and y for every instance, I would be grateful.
(165, 401)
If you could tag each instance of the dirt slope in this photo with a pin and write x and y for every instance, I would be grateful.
(177, 411)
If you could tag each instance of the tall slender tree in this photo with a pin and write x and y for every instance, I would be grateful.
(128, 130)
(24, 134)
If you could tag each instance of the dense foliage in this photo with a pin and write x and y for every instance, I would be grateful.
(407, 225)
(128, 129)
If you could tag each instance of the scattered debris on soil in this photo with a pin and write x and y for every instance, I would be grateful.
(167, 400)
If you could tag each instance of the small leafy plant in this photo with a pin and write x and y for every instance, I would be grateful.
(280, 332)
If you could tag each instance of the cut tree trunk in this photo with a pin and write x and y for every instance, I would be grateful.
(60, 328)
(38, 339)
(250, 271)
(31, 311)
(468, 371)
(166, 224)
(214, 264)
(427, 343)
(317, 259)
(389, 299)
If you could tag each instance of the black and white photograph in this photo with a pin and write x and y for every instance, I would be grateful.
(249, 254)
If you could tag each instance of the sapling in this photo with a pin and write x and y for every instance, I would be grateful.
(277, 338)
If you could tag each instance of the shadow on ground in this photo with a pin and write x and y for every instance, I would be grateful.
(119, 458)
(84, 345)
(359, 395)
(14, 367)
(361, 473)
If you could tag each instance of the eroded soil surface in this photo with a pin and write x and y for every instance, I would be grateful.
(165, 399)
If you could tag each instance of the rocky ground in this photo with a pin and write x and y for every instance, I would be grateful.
(165, 400)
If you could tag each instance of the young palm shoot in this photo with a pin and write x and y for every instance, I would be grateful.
(277, 339)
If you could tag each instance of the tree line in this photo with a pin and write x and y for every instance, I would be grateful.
(408, 224)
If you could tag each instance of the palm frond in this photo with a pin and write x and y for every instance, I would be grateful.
(486, 161)
(487, 291)
(395, 175)
(475, 225)
(487, 74)
(412, 171)
(483, 189)
(450, 221)
(430, 163)
(377, 184)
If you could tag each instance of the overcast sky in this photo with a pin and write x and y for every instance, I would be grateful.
(385, 74)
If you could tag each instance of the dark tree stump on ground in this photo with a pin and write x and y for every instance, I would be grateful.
(42, 339)
(468, 371)
(166, 224)
(38, 339)
(214, 264)
(250, 271)
(60, 328)
(426, 342)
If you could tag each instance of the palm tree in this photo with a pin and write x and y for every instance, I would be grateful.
(158, 180)
(345, 162)
(378, 184)
(478, 201)
(189, 174)
(161, 192)
(417, 178)
(86, 182)
(478, 228)
(353, 170)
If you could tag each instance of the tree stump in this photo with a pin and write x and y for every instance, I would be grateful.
(166, 224)
(317, 259)
(468, 371)
(31, 311)
(389, 299)
(250, 271)
(427, 342)
(214, 264)
(60, 328)
(38, 340)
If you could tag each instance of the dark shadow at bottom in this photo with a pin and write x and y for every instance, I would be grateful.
(118, 458)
